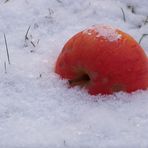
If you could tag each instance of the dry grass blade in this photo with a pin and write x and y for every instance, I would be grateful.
(6, 45)
(32, 44)
(123, 15)
(6, 1)
(144, 35)
(146, 20)
(59, 1)
(5, 67)
(26, 35)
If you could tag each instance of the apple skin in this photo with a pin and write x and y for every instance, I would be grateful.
(92, 61)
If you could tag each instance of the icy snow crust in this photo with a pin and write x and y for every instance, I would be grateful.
(37, 110)
(104, 31)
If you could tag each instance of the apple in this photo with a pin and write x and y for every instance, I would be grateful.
(103, 60)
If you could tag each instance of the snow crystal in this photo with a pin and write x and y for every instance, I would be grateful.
(104, 31)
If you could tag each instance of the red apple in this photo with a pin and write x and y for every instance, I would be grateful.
(103, 60)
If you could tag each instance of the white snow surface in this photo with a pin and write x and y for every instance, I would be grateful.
(105, 31)
(37, 110)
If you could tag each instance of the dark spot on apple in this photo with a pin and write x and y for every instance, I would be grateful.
(62, 64)
(82, 80)
(104, 80)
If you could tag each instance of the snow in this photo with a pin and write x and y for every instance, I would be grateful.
(37, 110)
(105, 31)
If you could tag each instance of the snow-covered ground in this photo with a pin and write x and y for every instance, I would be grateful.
(37, 110)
